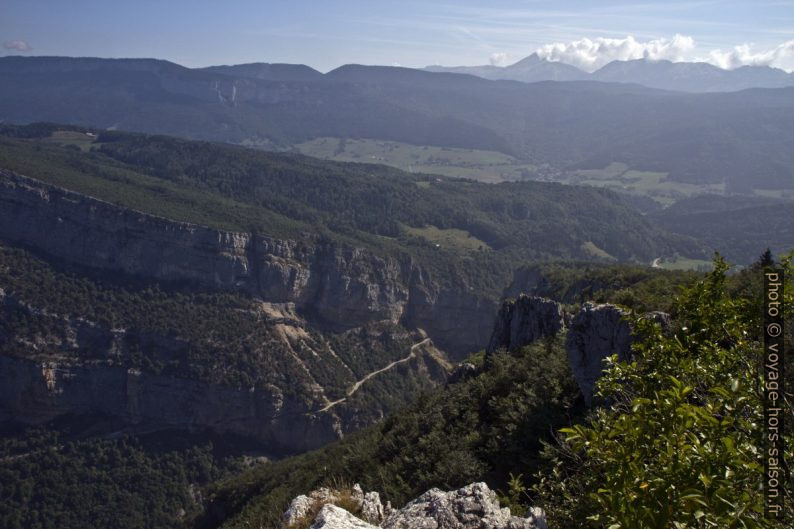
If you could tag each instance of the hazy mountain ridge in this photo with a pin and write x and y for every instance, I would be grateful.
(267, 71)
(736, 138)
(531, 69)
(662, 74)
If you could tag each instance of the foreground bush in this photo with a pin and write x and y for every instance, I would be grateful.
(680, 443)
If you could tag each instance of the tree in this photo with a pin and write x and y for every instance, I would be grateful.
(766, 259)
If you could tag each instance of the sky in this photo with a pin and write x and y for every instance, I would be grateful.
(325, 34)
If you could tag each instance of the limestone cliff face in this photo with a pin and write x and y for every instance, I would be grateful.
(32, 391)
(326, 286)
(524, 320)
(97, 234)
(338, 286)
(456, 320)
(597, 331)
(80, 368)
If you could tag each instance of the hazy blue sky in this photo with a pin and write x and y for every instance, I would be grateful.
(325, 34)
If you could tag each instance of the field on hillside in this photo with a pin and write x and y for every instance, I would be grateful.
(448, 238)
(81, 140)
(494, 167)
(481, 165)
(485, 166)
(620, 177)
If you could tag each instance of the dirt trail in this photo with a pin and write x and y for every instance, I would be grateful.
(358, 384)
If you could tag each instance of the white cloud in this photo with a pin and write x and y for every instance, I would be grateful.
(781, 57)
(592, 54)
(17, 45)
(498, 59)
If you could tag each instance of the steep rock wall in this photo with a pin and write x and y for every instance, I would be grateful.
(524, 320)
(81, 367)
(594, 333)
(597, 331)
(32, 391)
(330, 285)
(338, 286)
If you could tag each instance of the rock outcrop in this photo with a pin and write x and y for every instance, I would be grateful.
(337, 286)
(333, 517)
(597, 331)
(300, 507)
(594, 333)
(524, 320)
(474, 506)
(372, 510)
(321, 507)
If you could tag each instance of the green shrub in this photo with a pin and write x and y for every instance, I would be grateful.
(680, 446)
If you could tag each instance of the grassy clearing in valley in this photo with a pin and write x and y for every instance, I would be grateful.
(82, 140)
(449, 238)
(595, 251)
(619, 177)
(495, 167)
(485, 166)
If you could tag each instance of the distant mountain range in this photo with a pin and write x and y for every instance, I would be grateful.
(666, 75)
(739, 140)
(528, 70)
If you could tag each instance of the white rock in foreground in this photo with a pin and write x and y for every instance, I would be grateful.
(372, 509)
(333, 517)
(474, 506)
(300, 507)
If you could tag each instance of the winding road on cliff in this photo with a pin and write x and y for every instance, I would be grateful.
(358, 384)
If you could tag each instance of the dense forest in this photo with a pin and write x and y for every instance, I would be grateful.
(55, 476)
(736, 225)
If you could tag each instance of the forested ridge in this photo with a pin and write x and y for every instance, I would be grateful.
(285, 195)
